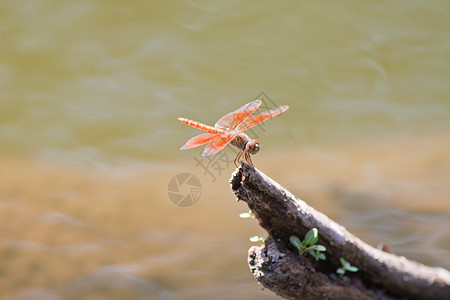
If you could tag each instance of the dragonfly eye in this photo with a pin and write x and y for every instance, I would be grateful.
(252, 147)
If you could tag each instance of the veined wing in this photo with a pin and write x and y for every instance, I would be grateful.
(233, 119)
(256, 119)
(199, 140)
(218, 144)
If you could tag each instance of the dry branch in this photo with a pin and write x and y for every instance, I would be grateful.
(278, 266)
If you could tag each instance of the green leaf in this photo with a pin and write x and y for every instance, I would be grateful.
(296, 242)
(322, 256)
(320, 248)
(311, 237)
(316, 236)
(352, 269)
(340, 271)
(255, 239)
(245, 215)
(343, 262)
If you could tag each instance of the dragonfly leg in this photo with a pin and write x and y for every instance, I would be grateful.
(238, 157)
(248, 158)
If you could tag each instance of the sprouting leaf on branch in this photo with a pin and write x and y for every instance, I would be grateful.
(309, 244)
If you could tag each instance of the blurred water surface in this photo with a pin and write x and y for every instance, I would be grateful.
(90, 93)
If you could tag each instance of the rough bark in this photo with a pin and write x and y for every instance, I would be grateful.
(278, 266)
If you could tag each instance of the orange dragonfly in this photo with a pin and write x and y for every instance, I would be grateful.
(230, 129)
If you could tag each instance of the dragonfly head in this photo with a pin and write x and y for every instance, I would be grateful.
(252, 147)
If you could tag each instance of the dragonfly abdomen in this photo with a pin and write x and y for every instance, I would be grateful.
(200, 126)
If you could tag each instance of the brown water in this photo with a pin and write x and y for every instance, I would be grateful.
(90, 93)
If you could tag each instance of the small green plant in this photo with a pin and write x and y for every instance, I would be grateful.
(346, 266)
(247, 215)
(309, 244)
(256, 238)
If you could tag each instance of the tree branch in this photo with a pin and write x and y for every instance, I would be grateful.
(280, 268)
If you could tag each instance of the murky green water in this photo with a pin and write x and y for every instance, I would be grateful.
(90, 94)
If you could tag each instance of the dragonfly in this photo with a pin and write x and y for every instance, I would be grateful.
(230, 130)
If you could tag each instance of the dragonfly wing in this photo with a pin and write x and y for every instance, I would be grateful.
(199, 140)
(233, 119)
(256, 119)
(218, 144)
